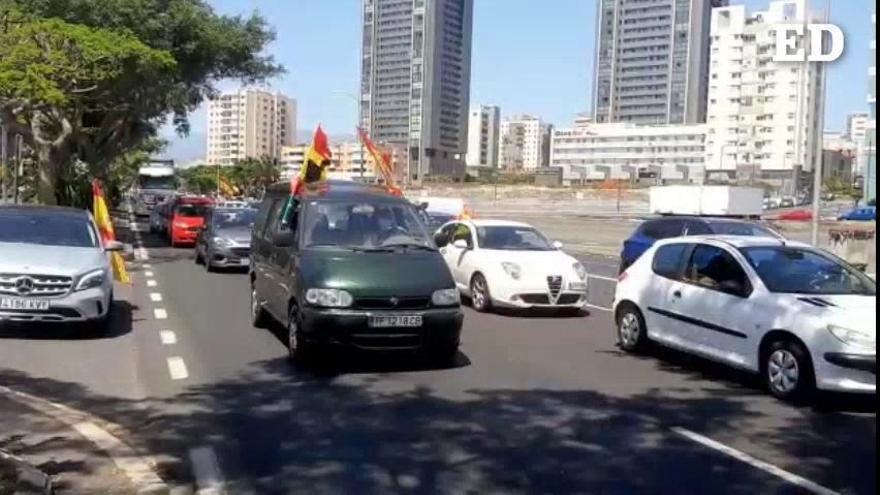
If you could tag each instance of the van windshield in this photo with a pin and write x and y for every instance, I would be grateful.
(363, 225)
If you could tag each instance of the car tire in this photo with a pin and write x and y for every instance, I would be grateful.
(632, 333)
(787, 371)
(481, 297)
(299, 351)
(259, 317)
(199, 259)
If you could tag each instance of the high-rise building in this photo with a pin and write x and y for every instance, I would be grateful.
(856, 126)
(764, 117)
(652, 60)
(249, 123)
(868, 157)
(415, 81)
(483, 136)
(525, 143)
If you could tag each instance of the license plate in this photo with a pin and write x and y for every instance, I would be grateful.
(24, 304)
(395, 321)
(245, 262)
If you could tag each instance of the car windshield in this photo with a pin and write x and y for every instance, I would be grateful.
(150, 182)
(796, 270)
(190, 210)
(363, 225)
(60, 230)
(512, 238)
(239, 217)
(741, 228)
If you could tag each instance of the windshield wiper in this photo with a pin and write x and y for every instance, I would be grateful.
(408, 245)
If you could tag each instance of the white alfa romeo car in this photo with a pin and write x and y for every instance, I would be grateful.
(510, 264)
(797, 315)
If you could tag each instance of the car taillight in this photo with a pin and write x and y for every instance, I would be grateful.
(622, 277)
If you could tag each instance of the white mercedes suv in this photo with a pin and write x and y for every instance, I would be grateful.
(53, 267)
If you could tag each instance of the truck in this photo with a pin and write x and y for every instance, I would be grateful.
(156, 181)
(716, 201)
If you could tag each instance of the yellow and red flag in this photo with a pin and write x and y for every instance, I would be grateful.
(315, 163)
(105, 228)
(382, 160)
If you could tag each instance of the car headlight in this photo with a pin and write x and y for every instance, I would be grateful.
(512, 269)
(329, 298)
(445, 297)
(91, 279)
(853, 337)
(223, 242)
(580, 270)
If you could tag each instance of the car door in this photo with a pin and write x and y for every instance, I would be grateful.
(712, 308)
(667, 267)
(261, 249)
(282, 221)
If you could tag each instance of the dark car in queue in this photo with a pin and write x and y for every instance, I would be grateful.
(343, 263)
(655, 229)
(225, 239)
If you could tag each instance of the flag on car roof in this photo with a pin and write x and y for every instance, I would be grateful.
(105, 228)
(382, 161)
(315, 163)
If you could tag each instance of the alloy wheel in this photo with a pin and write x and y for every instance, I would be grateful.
(629, 330)
(478, 293)
(783, 371)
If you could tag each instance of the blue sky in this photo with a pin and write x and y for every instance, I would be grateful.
(529, 56)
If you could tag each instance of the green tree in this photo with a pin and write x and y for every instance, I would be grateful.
(108, 73)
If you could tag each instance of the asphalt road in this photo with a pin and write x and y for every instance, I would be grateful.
(534, 403)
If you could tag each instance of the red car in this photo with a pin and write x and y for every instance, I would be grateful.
(186, 218)
(796, 215)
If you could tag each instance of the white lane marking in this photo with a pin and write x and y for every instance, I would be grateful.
(142, 253)
(600, 308)
(756, 463)
(177, 368)
(148, 274)
(151, 283)
(147, 265)
(600, 277)
(168, 337)
(206, 470)
(137, 468)
(160, 314)
(155, 297)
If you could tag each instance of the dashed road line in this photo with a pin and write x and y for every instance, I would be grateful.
(160, 314)
(151, 283)
(146, 266)
(206, 470)
(756, 463)
(601, 277)
(177, 368)
(168, 337)
(148, 274)
(155, 297)
(600, 308)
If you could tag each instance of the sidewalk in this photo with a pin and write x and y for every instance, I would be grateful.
(75, 465)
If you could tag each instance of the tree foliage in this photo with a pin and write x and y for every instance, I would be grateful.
(250, 176)
(92, 80)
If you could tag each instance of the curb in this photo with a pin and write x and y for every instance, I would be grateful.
(138, 469)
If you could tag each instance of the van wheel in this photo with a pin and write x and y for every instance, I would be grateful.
(299, 351)
(787, 371)
(481, 298)
(259, 318)
(632, 334)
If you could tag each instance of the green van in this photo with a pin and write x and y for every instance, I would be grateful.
(344, 263)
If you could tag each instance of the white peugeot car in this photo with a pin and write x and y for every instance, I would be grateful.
(510, 264)
(797, 315)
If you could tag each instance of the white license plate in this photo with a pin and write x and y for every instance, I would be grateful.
(23, 304)
(244, 261)
(395, 321)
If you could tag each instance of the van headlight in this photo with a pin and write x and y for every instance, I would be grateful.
(91, 279)
(329, 298)
(445, 297)
(853, 337)
(512, 269)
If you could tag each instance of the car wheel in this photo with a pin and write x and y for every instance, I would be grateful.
(298, 349)
(199, 260)
(259, 318)
(481, 298)
(788, 371)
(632, 334)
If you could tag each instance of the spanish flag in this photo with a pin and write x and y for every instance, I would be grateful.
(105, 227)
(316, 162)
(382, 161)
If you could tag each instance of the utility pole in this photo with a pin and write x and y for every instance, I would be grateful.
(817, 170)
(3, 163)
(18, 169)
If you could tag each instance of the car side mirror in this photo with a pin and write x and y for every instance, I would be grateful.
(460, 244)
(557, 245)
(114, 247)
(283, 239)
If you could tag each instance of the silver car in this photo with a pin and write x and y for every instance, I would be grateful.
(54, 266)
(225, 239)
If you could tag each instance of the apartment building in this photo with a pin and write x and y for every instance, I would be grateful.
(652, 59)
(525, 143)
(483, 137)
(249, 123)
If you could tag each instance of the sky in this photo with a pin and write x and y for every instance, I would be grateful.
(529, 56)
